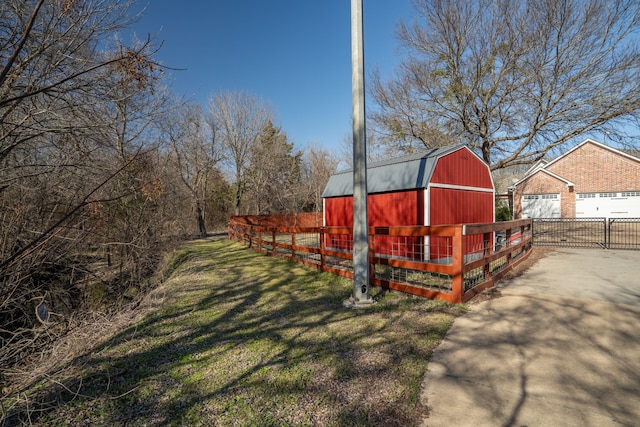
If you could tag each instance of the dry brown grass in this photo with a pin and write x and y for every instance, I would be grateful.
(237, 338)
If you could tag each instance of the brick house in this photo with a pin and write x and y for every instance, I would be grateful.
(591, 180)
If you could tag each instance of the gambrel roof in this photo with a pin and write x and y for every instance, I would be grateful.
(401, 173)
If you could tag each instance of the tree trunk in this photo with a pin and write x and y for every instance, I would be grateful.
(201, 226)
(238, 199)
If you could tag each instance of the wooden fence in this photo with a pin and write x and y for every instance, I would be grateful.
(449, 262)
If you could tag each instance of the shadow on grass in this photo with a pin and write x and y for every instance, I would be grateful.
(245, 339)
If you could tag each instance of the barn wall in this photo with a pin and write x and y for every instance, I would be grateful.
(399, 208)
(338, 211)
(384, 209)
(462, 168)
(466, 203)
(457, 206)
(447, 206)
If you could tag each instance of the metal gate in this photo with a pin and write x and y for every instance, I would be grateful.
(609, 233)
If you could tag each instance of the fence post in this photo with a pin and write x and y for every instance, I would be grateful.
(273, 241)
(457, 283)
(507, 242)
(260, 239)
(322, 247)
(372, 253)
(293, 243)
(486, 239)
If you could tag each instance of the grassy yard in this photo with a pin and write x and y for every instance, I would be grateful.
(237, 338)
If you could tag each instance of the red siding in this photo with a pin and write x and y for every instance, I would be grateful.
(462, 168)
(449, 206)
(384, 209)
(338, 211)
(401, 208)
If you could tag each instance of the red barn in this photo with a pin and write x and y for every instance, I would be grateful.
(449, 185)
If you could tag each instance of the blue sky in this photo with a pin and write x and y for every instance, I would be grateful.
(293, 54)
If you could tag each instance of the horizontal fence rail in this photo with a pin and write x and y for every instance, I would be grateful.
(608, 233)
(450, 262)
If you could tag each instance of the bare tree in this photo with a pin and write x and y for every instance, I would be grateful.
(195, 152)
(319, 165)
(127, 111)
(514, 79)
(75, 164)
(240, 118)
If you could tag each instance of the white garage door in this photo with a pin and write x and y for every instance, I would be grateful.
(625, 204)
(541, 205)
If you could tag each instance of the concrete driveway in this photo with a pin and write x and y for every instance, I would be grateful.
(560, 347)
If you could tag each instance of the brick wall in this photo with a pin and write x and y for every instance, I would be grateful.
(540, 183)
(591, 168)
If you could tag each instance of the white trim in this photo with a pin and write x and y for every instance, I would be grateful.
(460, 187)
(324, 212)
(540, 164)
(494, 212)
(569, 183)
(551, 174)
(427, 222)
(427, 217)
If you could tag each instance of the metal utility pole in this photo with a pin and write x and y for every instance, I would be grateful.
(360, 294)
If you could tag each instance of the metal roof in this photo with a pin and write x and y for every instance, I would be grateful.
(401, 173)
